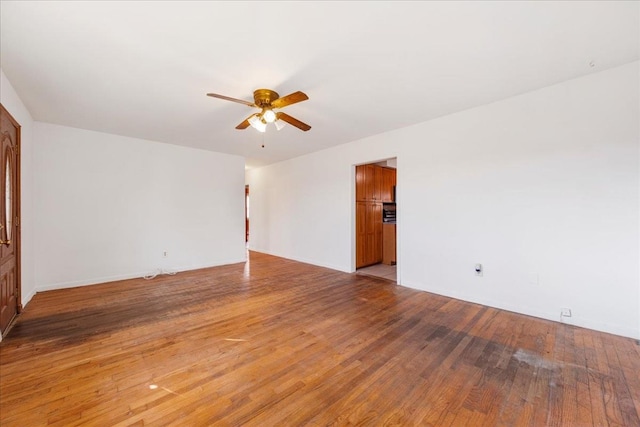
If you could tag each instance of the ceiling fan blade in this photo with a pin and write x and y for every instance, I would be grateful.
(226, 98)
(289, 99)
(292, 121)
(246, 123)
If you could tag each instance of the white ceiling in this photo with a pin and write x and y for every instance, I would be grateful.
(142, 69)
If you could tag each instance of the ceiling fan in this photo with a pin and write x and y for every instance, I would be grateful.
(267, 100)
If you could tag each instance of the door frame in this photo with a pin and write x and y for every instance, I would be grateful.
(246, 214)
(354, 231)
(17, 234)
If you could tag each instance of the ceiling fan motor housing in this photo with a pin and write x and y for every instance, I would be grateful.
(264, 97)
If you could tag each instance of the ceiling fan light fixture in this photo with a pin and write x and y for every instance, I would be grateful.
(279, 124)
(268, 115)
(257, 124)
(267, 100)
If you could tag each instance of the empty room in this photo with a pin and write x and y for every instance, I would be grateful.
(312, 213)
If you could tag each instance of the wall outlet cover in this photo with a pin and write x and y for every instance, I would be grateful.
(478, 269)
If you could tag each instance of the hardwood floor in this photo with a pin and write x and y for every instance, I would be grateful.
(274, 342)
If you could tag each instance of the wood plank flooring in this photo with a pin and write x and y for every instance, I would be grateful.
(274, 342)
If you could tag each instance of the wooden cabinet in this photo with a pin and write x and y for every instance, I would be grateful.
(387, 183)
(373, 179)
(369, 183)
(389, 244)
(368, 233)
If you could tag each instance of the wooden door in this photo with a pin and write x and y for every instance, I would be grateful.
(9, 219)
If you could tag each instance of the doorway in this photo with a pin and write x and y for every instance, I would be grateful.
(10, 301)
(375, 219)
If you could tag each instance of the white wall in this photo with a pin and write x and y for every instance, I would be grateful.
(16, 108)
(107, 207)
(542, 189)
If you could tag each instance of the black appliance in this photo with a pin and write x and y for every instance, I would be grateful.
(389, 213)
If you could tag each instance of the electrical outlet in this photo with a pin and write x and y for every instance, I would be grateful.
(165, 254)
(565, 312)
(478, 269)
